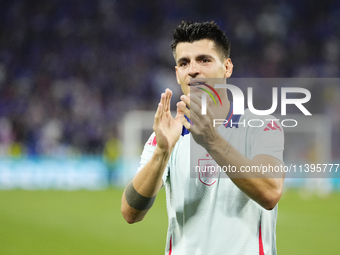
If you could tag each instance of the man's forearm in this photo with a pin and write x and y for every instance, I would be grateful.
(141, 192)
(265, 189)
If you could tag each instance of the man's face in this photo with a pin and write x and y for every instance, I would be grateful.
(199, 60)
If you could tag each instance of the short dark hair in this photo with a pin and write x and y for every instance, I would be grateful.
(195, 31)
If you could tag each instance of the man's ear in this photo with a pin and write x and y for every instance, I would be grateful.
(177, 75)
(229, 67)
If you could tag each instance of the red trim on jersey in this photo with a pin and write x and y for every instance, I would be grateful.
(277, 126)
(269, 126)
(154, 141)
(170, 248)
(272, 126)
(260, 241)
(231, 115)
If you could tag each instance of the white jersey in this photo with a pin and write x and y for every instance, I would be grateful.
(212, 216)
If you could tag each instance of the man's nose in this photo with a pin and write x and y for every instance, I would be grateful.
(194, 69)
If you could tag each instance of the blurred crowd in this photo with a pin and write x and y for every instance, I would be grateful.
(70, 70)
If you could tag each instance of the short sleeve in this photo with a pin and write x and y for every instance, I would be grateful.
(269, 140)
(148, 151)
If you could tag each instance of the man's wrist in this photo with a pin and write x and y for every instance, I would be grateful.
(214, 143)
(163, 152)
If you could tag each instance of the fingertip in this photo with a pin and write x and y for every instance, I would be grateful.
(179, 104)
(168, 92)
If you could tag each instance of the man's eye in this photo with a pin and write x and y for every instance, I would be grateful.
(183, 64)
(205, 60)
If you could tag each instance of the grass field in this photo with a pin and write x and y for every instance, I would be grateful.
(85, 222)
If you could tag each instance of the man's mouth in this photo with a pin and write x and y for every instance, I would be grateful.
(197, 83)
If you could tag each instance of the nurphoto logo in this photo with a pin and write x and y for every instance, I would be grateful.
(238, 102)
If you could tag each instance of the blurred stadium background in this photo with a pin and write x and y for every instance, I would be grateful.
(72, 73)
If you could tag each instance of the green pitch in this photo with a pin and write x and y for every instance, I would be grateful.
(84, 222)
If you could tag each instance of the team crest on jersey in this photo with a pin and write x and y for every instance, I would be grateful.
(208, 173)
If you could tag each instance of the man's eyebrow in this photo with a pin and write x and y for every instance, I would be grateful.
(204, 56)
(182, 59)
(197, 57)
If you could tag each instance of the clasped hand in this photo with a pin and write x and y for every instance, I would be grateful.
(201, 126)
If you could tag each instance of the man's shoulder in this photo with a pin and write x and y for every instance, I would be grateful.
(256, 123)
